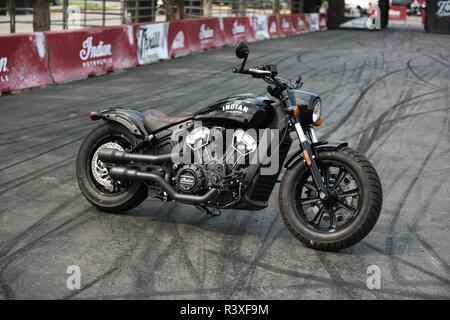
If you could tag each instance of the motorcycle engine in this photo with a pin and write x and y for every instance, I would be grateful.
(191, 179)
(214, 170)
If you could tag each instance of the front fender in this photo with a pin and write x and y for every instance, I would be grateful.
(131, 119)
(325, 145)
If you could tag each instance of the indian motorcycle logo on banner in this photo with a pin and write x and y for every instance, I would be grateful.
(285, 24)
(238, 28)
(273, 27)
(178, 41)
(205, 33)
(95, 55)
(443, 9)
(152, 44)
(3, 69)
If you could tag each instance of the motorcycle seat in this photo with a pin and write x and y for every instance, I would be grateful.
(155, 119)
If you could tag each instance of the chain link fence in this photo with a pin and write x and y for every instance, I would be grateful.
(20, 16)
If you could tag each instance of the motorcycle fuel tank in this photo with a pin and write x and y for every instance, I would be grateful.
(240, 111)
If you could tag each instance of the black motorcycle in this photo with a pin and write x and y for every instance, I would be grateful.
(229, 155)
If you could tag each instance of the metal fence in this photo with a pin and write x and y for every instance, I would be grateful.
(17, 15)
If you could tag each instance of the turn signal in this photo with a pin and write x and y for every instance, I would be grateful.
(319, 122)
(94, 115)
(296, 112)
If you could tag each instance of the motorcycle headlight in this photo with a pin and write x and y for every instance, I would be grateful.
(317, 111)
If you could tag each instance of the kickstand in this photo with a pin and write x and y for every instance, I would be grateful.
(215, 212)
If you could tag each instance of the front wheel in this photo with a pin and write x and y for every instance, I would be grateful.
(350, 212)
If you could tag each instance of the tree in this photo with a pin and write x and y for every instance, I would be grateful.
(207, 4)
(180, 9)
(41, 15)
(276, 6)
(167, 5)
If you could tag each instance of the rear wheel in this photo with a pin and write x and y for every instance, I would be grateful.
(349, 213)
(93, 177)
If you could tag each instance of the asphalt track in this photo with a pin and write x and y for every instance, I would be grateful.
(387, 93)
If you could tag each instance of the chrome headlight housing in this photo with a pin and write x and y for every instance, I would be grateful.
(310, 107)
(317, 110)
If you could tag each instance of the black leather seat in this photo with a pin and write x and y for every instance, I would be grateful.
(155, 119)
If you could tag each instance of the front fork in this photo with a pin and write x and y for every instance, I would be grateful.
(309, 157)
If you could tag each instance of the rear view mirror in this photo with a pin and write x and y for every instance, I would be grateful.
(242, 50)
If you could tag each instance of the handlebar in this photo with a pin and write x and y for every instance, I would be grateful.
(252, 71)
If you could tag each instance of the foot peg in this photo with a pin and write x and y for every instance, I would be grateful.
(215, 212)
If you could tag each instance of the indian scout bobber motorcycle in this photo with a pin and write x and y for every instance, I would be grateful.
(330, 196)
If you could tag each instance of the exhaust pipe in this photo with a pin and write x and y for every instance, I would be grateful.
(119, 157)
(121, 173)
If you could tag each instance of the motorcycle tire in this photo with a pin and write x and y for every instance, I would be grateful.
(368, 196)
(106, 135)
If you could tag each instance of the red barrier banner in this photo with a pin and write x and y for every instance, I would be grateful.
(237, 28)
(274, 26)
(81, 53)
(323, 21)
(286, 25)
(300, 22)
(23, 62)
(208, 33)
(397, 13)
(180, 38)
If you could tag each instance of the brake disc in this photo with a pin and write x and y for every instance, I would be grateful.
(99, 169)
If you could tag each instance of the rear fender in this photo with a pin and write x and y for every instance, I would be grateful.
(131, 119)
(320, 146)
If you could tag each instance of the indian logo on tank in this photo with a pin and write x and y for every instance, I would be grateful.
(178, 42)
(3, 69)
(238, 28)
(300, 23)
(234, 108)
(205, 32)
(443, 9)
(94, 55)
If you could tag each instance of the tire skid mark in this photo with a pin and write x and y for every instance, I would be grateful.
(349, 286)
(399, 205)
(19, 181)
(348, 114)
(411, 69)
(378, 123)
(42, 153)
(51, 136)
(177, 244)
(406, 262)
(60, 229)
(5, 250)
(340, 285)
(269, 238)
(400, 118)
(231, 243)
(88, 285)
(366, 139)
(432, 57)
(187, 293)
